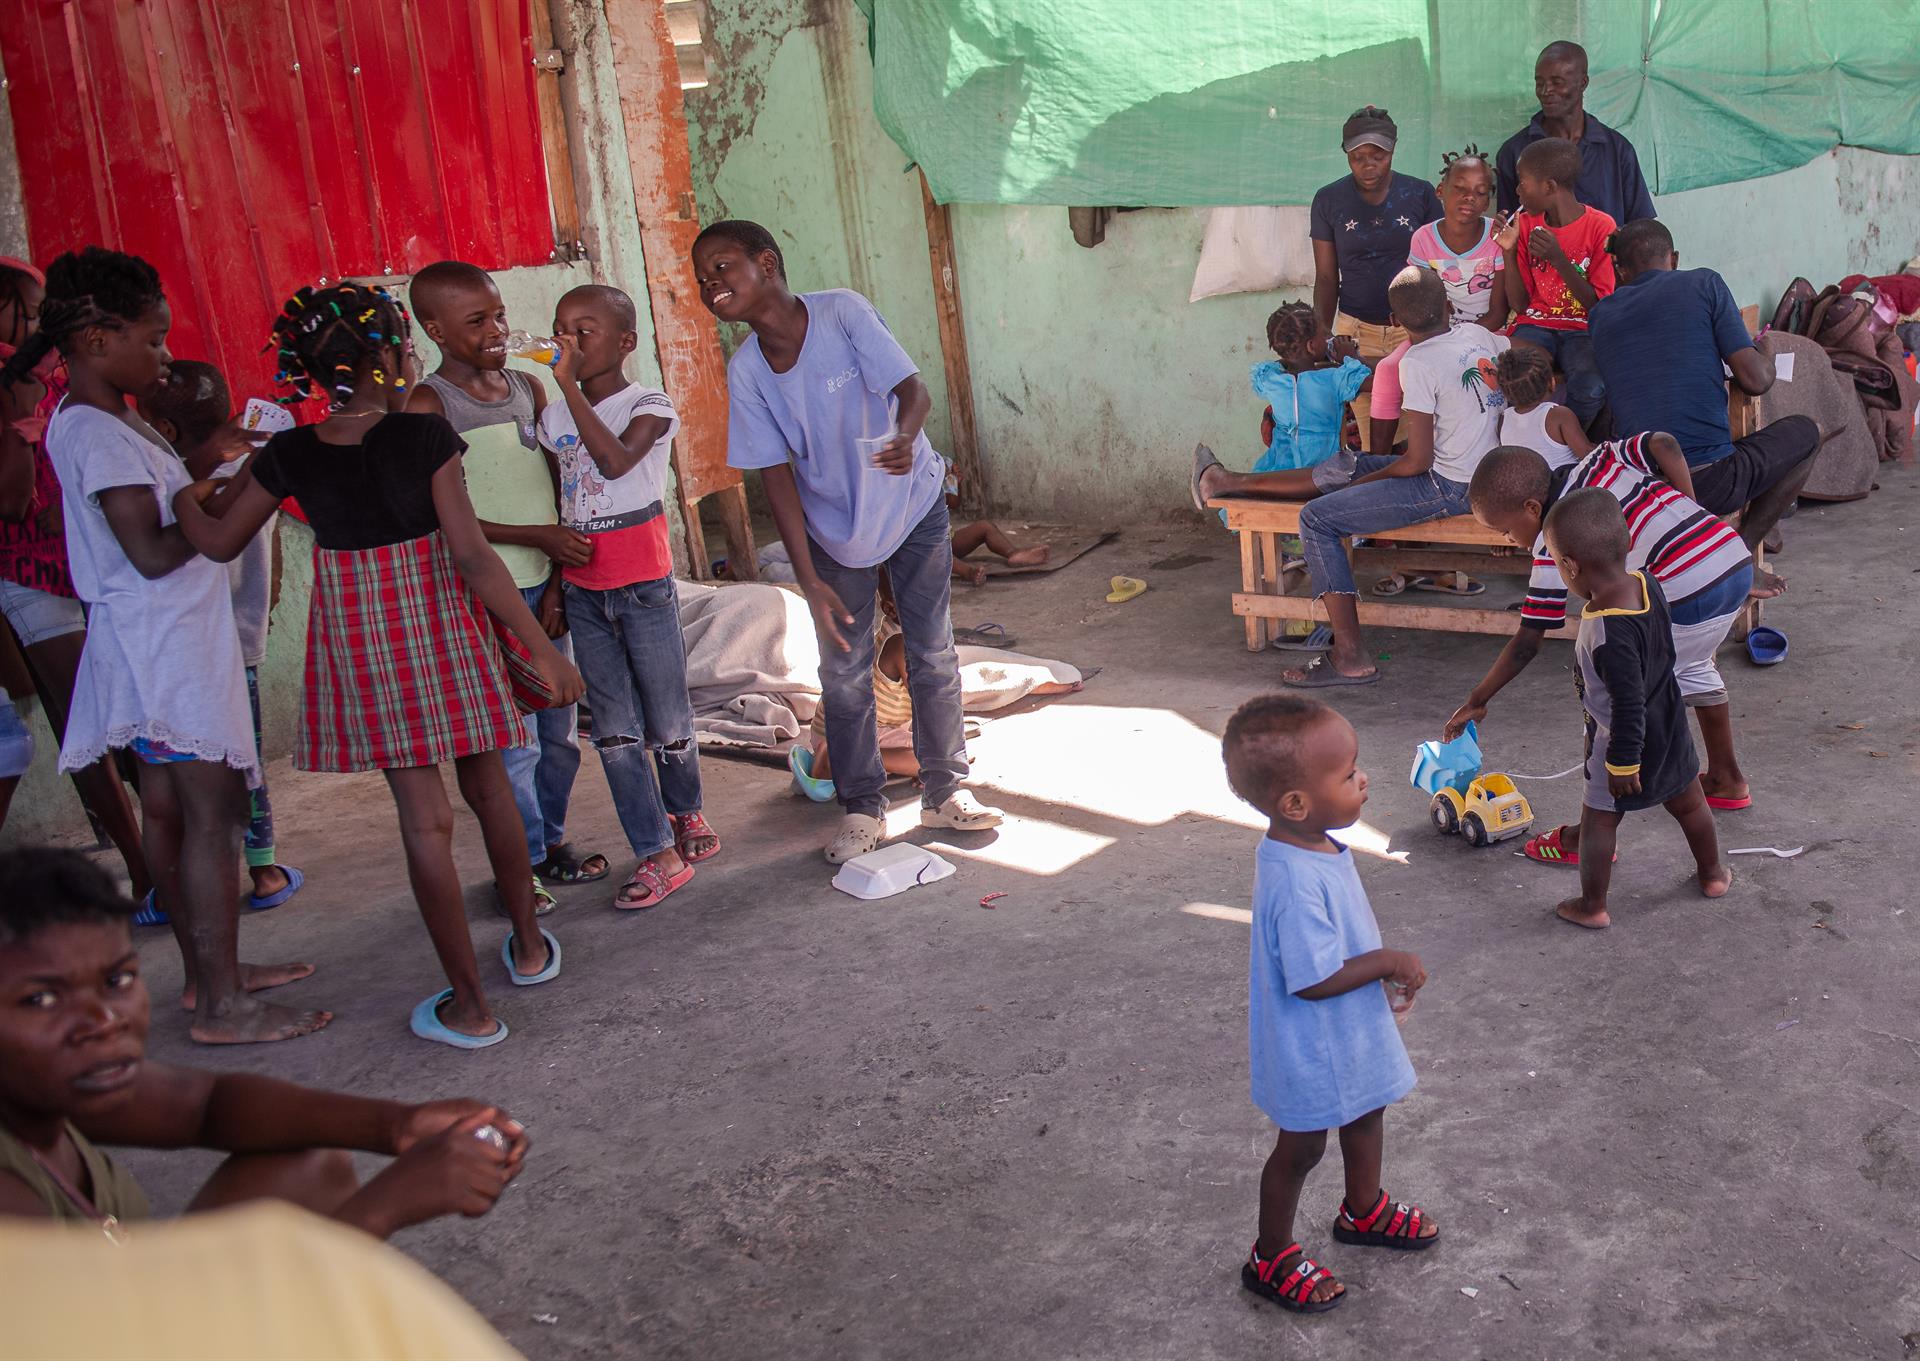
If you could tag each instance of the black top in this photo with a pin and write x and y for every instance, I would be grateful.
(1610, 177)
(364, 495)
(1624, 673)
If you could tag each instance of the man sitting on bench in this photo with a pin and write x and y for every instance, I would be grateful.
(1450, 418)
(1660, 339)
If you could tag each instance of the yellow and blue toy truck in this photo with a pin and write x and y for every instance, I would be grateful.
(1492, 809)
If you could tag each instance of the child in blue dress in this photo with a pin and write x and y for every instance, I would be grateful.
(1324, 1049)
(1306, 390)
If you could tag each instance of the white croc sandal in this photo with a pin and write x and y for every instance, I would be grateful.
(858, 834)
(962, 813)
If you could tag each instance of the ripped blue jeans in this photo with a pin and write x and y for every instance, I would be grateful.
(628, 646)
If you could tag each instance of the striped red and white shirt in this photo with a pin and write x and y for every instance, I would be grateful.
(1695, 556)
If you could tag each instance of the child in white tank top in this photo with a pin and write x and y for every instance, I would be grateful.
(1530, 421)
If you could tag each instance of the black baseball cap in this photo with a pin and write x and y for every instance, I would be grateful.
(1368, 127)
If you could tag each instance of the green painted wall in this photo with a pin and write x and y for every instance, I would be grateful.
(785, 135)
(1093, 375)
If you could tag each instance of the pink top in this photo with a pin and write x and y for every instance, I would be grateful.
(34, 551)
(1386, 385)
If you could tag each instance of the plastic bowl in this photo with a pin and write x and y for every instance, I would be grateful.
(1767, 646)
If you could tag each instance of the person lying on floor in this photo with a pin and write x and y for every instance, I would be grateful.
(969, 539)
(74, 1074)
(1451, 418)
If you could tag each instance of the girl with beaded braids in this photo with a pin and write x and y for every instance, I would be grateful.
(161, 674)
(1307, 386)
(404, 670)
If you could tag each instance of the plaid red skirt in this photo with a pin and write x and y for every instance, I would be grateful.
(403, 668)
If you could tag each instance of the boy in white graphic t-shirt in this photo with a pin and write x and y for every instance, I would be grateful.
(612, 439)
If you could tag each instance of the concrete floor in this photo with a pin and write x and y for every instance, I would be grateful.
(771, 1120)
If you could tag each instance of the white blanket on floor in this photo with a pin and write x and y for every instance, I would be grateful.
(753, 665)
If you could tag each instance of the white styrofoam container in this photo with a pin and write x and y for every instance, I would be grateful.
(890, 870)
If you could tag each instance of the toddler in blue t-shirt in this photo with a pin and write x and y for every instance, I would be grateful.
(1321, 1035)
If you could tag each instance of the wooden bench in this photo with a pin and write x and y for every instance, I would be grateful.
(1459, 543)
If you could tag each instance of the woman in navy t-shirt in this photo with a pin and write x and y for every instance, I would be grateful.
(1361, 226)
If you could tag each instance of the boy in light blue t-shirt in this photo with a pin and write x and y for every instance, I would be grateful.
(830, 409)
(1323, 1047)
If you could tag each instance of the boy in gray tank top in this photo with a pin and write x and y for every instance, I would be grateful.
(515, 491)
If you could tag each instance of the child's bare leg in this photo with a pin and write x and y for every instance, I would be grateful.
(1722, 777)
(484, 789)
(822, 759)
(1363, 1148)
(1696, 820)
(1599, 831)
(204, 879)
(986, 533)
(1294, 1155)
(1292, 484)
(899, 761)
(55, 663)
(426, 831)
(973, 573)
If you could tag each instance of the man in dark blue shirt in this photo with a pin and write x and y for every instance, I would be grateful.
(1610, 177)
(1660, 339)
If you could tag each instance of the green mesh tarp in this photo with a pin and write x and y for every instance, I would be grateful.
(1240, 101)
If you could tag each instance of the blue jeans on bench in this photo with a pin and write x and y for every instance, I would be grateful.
(1573, 352)
(1388, 503)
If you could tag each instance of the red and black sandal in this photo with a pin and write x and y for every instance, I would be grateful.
(1292, 1289)
(1380, 1229)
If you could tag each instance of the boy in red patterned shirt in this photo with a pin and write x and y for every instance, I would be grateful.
(1561, 269)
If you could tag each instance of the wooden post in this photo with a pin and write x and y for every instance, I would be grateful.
(553, 138)
(689, 348)
(953, 351)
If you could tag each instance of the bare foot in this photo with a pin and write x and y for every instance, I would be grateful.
(1766, 585)
(1329, 1289)
(247, 1021)
(527, 962)
(1715, 882)
(1029, 557)
(973, 573)
(1715, 788)
(254, 978)
(268, 880)
(1210, 481)
(1575, 910)
(478, 1020)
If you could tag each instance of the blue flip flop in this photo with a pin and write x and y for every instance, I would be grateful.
(800, 762)
(527, 980)
(150, 913)
(426, 1023)
(295, 879)
(1766, 646)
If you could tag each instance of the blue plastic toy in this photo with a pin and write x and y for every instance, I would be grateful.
(1447, 765)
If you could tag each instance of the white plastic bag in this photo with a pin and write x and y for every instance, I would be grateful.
(1253, 250)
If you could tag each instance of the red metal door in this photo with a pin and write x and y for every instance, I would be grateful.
(246, 147)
